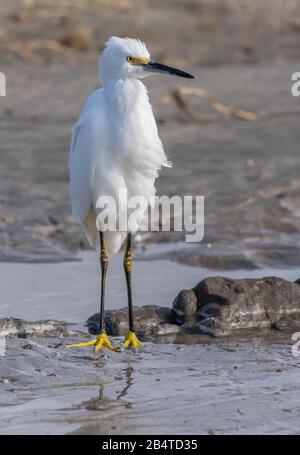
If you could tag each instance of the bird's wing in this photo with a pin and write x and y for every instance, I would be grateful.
(89, 172)
(86, 138)
(80, 173)
(92, 105)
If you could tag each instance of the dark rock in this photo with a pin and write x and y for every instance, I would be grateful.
(214, 290)
(185, 306)
(226, 305)
(297, 281)
(149, 319)
(216, 306)
(13, 327)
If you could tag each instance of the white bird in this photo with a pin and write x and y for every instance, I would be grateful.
(115, 145)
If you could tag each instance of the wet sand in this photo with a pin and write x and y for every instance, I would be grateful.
(247, 171)
(248, 387)
(240, 53)
(179, 384)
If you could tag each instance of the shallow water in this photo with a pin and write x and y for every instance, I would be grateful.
(70, 290)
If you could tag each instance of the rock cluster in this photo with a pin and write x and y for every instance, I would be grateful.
(216, 306)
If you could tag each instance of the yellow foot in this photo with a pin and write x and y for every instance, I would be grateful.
(102, 341)
(132, 340)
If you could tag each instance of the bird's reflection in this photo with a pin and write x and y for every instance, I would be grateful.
(103, 403)
(128, 381)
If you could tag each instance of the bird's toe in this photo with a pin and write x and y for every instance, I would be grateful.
(132, 340)
(102, 341)
(79, 345)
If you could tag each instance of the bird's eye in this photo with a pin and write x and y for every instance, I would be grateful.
(129, 59)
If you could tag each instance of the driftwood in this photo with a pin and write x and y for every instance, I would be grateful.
(224, 111)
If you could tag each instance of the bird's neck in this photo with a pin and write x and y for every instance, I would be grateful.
(124, 94)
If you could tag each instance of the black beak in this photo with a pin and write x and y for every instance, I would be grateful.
(155, 67)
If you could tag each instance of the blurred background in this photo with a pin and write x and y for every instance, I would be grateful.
(232, 133)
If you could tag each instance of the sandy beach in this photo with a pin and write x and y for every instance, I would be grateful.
(236, 144)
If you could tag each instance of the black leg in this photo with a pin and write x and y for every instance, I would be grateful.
(128, 268)
(131, 339)
(102, 340)
(104, 266)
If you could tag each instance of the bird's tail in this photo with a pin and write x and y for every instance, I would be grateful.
(113, 239)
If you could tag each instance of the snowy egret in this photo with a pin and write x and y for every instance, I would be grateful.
(115, 144)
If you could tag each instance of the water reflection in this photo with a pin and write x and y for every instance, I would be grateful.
(129, 381)
(104, 403)
(106, 410)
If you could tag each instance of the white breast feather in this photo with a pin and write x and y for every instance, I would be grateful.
(115, 144)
